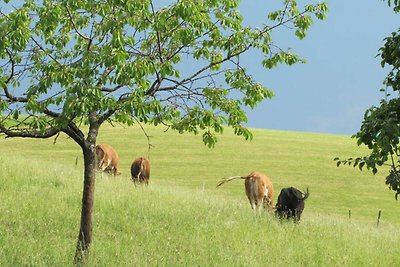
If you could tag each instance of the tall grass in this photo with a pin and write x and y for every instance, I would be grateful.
(181, 219)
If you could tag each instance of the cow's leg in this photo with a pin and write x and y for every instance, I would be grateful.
(266, 202)
(105, 164)
(99, 167)
(292, 214)
(297, 215)
(252, 192)
(252, 202)
(286, 211)
(139, 176)
(256, 195)
(135, 180)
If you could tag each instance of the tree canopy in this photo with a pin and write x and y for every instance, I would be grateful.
(63, 60)
(396, 5)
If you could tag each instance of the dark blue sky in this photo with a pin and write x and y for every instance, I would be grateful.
(341, 78)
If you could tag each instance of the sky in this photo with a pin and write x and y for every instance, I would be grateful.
(342, 76)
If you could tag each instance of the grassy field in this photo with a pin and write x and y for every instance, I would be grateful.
(181, 219)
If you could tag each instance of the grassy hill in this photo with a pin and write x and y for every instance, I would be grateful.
(181, 219)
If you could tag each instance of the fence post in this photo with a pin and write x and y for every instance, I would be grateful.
(349, 215)
(379, 218)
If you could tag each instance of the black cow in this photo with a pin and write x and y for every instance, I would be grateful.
(291, 203)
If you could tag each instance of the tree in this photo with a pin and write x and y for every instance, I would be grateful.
(396, 5)
(380, 128)
(70, 66)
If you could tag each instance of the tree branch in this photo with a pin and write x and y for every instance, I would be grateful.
(7, 93)
(158, 34)
(76, 30)
(44, 50)
(75, 133)
(51, 113)
(155, 86)
(27, 133)
(282, 22)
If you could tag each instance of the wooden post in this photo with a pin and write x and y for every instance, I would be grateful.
(76, 162)
(379, 217)
(349, 215)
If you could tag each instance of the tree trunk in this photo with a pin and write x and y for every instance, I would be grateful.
(85, 231)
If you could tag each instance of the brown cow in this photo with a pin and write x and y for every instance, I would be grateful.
(107, 159)
(259, 189)
(140, 170)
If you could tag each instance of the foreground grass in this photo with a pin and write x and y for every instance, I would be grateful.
(181, 218)
(169, 226)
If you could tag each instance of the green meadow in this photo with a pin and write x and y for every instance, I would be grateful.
(181, 218)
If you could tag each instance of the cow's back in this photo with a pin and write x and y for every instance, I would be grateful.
(110, 152)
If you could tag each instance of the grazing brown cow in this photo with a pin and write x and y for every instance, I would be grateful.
(290, 203)
(259, 189)
(140, 170)
(107, 159)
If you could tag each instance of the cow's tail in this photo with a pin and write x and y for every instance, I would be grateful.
(139, 174)
(228, 179)
(306, 194)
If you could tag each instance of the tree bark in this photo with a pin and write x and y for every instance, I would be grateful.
(89, 157)
(85, 231)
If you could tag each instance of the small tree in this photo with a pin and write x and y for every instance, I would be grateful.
(380, 129)
(69, 66)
